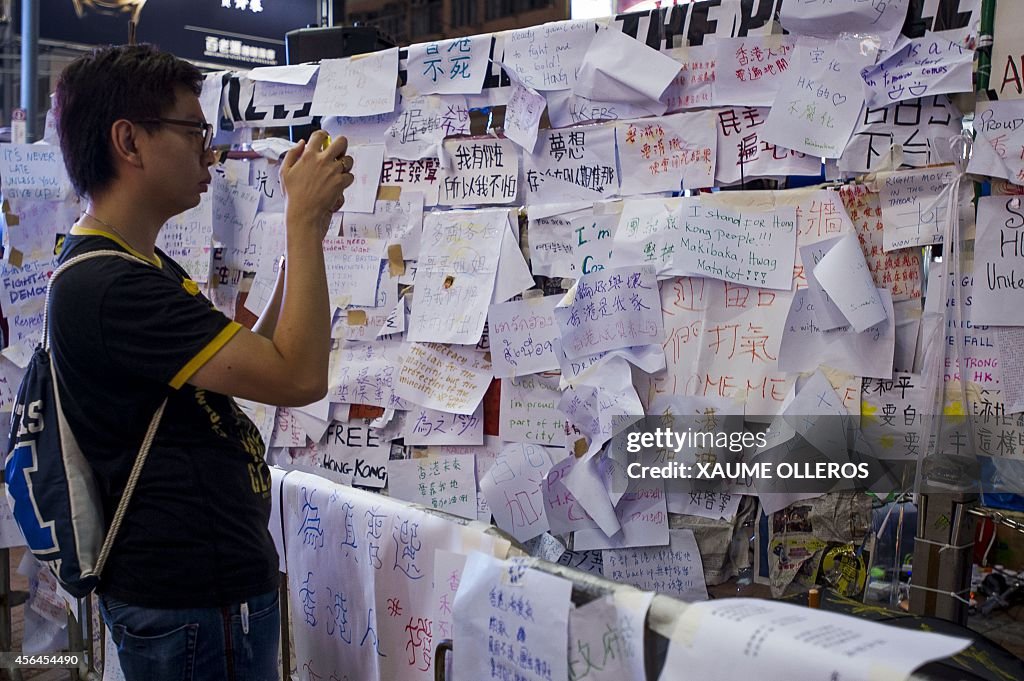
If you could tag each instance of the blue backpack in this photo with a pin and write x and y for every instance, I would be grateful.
(50, 485)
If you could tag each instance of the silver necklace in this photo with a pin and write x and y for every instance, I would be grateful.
(111, 228)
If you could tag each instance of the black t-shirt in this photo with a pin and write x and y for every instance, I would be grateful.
(124, 336)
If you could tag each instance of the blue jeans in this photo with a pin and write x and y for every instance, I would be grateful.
(201, 644)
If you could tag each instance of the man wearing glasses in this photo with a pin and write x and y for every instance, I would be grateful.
(190, 588)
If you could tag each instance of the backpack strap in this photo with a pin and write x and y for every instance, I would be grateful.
(154, 423)
(44, 341)
(133, 478)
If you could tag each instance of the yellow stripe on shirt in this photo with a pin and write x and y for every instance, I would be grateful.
(204, 355)
(78, 230)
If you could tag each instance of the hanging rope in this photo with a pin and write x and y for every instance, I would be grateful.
(944, 545)
(952, 594)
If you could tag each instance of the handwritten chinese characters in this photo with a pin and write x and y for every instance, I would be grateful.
(572, 163)
(613, 308)
(521, 614)
(819, 99)
(658, 155)
(447, 483)
(459, 254)
(512, 487)
(743, 152)
(485, 171)
(455, 66)
(899, 271)
(750, 69)
(675, 569)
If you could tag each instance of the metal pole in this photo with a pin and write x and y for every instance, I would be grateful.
(988, 18)
(7, 77)
(30, 63)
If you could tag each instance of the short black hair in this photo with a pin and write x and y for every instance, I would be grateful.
(133, 82)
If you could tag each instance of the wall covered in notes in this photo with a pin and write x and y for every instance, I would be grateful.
(665, 227)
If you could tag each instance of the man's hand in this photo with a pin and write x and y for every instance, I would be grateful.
(314, 178)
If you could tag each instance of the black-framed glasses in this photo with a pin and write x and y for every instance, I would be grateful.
(205, 128)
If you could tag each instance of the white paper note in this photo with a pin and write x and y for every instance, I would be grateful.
(744, 153)
(999, 128)
(188, 239)
(660, 155)
(211, 96)
(455, 66)
(612, 308)
(512, 487)
(367, 161)
(356, 450)
(606, 637)
(564, 512)
(999, 262)
(443, 377)
(359, 130)
(827, 314)
(425, 426)
(363, 85)
(396, 222)
(817, 414)
(353, 267)
(522, 336)
(455, 275)
(529, 411)
(881, 19)
(915, 206)
(917, 68)
(739, 246)
(675, 570)
(566, 109)
(33, 172)
(445, 483)
(609, 70)
(514, 275)
(548, 57)
(522, 613)
(643, 517)
(422, 123)
(422, 175)
(739, 638)
(365, 373)
(523, 113)
(750, 69)
(601, 403)
(805, 345)
(648, 234)
(293, 74)
(484, 171)
(920, 126)
(844, 275)
(693, 86)
(572, 164)
(820, 98)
